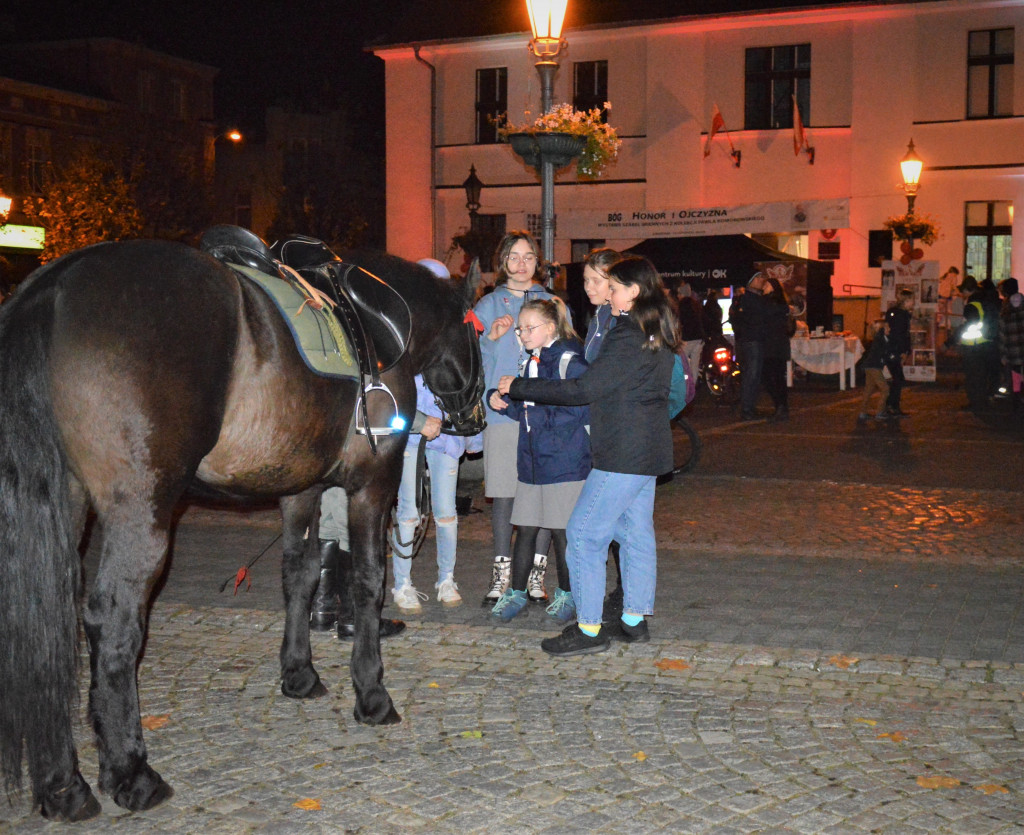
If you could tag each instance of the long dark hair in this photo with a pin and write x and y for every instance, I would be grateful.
(650, 311)
(505, 247)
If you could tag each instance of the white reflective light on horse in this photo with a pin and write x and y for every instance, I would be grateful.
(398, 423)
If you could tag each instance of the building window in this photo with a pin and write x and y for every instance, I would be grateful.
(147, 99)
(590, 85)
(774, 74)
(990, 73)
(37, 156)
(179, 103)
(988, 233)
(6, 157)
(491, 102)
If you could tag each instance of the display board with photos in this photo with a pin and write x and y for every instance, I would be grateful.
(922, 277)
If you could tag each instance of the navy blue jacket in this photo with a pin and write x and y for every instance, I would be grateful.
(554, 445)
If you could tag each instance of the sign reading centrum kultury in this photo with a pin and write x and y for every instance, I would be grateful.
(683, 221)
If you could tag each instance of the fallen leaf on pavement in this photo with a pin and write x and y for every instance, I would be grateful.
(671, 664)
(992, 788)
(310, 804)
(243, 577)
(471, 734)
(895, 736)
(152, 723)
(871, 722)
(433, 684)
(639, 756)
(938, 782)
(842, 661)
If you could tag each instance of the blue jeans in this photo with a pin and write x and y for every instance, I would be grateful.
(444, 478)
(617, 506)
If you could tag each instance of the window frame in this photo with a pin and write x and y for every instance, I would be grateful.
(989, 232)
(772, 108)
(992, 60)
(485, 112)
(594, 76)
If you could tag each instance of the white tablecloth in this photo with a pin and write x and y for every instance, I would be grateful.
(827, 355)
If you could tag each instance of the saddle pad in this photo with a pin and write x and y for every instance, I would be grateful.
(318, 335)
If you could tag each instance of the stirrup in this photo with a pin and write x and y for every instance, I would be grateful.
(397, 423)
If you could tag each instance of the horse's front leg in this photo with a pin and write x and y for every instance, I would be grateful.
(115, 621)
(368, 514)
(300, 572)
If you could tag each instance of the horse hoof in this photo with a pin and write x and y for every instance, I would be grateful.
(389, 717)
(300, 686)
(144, 792)
(72, 804)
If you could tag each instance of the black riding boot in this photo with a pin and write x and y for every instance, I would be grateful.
(323, 613)
(346, 611)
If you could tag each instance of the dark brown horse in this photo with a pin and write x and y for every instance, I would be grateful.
(128, 372)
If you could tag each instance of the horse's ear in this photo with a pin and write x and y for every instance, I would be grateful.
(471, 282)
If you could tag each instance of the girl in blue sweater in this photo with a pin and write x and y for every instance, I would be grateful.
(553, 455)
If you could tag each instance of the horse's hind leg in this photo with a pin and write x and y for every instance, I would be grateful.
(300, 572)
(115, 621)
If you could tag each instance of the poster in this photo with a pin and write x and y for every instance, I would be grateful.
(922, 277)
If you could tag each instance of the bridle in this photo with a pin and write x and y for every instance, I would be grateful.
(465, 418)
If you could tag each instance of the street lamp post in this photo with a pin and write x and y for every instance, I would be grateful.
(546, 18)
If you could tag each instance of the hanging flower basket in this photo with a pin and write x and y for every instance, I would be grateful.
(566, 134)
(913, 227)
(560, 148)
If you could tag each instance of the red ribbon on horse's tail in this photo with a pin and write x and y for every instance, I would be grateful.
(472, 319)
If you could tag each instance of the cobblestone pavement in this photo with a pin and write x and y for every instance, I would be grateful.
(827, 656)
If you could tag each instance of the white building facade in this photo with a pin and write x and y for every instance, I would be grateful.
(867, 79)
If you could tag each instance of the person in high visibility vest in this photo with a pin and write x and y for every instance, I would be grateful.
(978, 343)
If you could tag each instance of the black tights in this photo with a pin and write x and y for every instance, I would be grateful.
(526, 547)
(501, 529)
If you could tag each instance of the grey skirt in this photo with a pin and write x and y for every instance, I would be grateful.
(545, 505)
(501, 441)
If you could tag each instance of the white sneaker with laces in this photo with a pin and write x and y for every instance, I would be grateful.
(448, 593)
(407, 599)
(535, 583)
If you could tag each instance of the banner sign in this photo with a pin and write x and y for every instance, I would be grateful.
(22, 237)
(697, 221)
(922, 277)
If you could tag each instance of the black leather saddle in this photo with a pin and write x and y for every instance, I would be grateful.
(381, 312)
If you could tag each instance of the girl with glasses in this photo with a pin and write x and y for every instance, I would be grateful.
(553, 455)
(519, 265)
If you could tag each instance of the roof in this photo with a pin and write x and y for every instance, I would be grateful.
(420, 20)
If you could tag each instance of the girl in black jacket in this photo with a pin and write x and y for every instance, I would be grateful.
(627, 389)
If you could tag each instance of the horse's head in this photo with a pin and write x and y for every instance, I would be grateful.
(456, 376)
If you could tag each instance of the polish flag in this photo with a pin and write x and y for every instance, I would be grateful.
(799, 140)
(717, 123)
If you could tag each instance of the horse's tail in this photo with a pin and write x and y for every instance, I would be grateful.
(40, 571)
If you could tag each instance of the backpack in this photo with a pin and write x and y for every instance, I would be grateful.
(683, 386)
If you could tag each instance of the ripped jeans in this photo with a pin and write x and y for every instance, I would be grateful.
(444, 478)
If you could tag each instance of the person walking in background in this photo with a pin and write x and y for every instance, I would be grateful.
(1011, 340)
(975, 343)
(518, 266)
(897, 318)
(747, 315)
(778, 329)
(627, 388)
(874, 376)
(712, 311)
(691, 324)
(553, 456)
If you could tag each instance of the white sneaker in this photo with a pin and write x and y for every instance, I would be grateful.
(535, 582)
(407, 599)
(448, 593)
(500, 572)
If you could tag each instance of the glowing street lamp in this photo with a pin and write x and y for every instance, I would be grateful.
(546, 18)
(5, 208)
(911, 166)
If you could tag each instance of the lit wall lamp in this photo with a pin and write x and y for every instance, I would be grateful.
(5, 208)
(911, 166)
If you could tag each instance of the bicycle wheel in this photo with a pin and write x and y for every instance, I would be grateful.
(686, 445)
